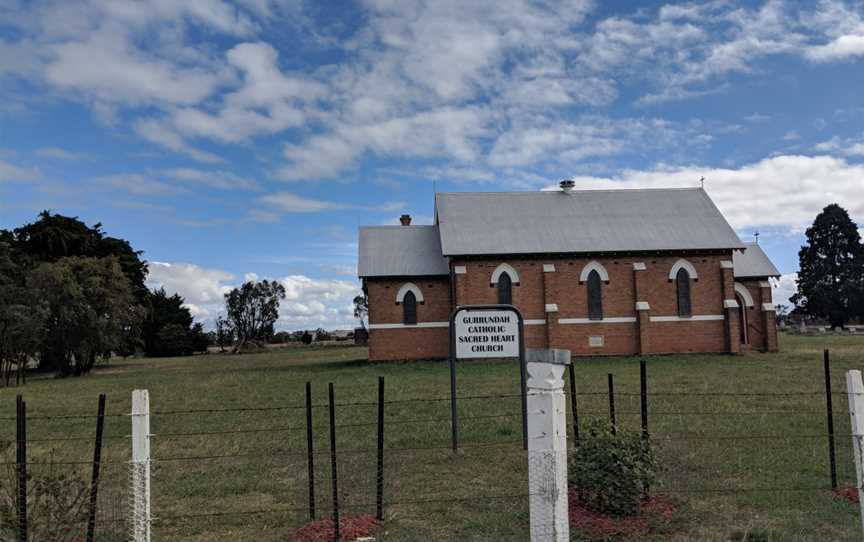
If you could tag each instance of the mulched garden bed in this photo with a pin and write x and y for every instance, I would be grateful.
(655, 513)
(848, 492)
(350, 528)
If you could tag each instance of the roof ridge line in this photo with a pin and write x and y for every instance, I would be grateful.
(521, 192)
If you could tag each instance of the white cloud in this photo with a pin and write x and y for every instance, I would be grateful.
(784, 288)
(590, 136)
(841, 48)
(197, 285)
(309, 302)
(57, 153)
(137, 183)
(784, 191)
(221, 179)
(448, 132)
(844, 146)
(161, 134)
(316, 303)
(268, 101)
(111, 69)
(291, 203)
(10, 172)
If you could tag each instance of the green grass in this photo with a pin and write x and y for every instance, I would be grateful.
(728, 488)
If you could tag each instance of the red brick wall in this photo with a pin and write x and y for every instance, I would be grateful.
(475, 289)
(413, 342)
(761, 327)
(405, 343)
(755, 333)
(562, 287)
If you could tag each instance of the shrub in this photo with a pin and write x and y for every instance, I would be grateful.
(307, 338)
(611, 471)
(57, 503)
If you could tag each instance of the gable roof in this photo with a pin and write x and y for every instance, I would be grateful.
(753, 263)
(394, 251)
(487, 223)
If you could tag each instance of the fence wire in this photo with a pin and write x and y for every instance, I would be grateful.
(760, 462)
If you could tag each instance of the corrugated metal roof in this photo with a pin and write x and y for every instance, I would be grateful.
(753, 263)
(392, 251)
(485, 223)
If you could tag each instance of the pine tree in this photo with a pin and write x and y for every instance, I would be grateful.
(831, 275)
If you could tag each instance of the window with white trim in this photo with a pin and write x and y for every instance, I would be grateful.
(409, 309)
(682, 282)
(595, 295)
(505, 289)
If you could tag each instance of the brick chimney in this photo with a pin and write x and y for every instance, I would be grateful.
(405, 220)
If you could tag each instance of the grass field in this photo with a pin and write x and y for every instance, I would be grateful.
(728, 487)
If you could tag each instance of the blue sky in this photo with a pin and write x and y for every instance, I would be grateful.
(232, 140)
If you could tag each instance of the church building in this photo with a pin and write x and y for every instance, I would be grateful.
(597, 272)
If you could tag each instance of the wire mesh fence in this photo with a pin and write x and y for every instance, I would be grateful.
(741, 462)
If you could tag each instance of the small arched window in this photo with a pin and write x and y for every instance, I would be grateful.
(682, 280)
(409, 309)
(595, 296)
(505, 289)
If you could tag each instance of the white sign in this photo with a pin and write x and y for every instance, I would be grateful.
(487, 334)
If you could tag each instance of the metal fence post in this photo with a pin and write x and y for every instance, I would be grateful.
(643, 397)
(310, 444)
(379, 494)
(547, 445)
(830, 408)
(855, 393)
(573, 408)
(97, 462)
(333, 469)
(21, 466)
(140, 466)
(611, 384)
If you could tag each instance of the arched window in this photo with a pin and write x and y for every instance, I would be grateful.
(682, 279)
(409, 309)
(595, 296)
(505, 289)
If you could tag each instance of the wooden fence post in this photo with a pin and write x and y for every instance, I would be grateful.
(855, 392)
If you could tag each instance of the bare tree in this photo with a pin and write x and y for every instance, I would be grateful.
(253, 309)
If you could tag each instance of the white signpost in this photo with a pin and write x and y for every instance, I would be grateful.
(486, 331)
(487, 334)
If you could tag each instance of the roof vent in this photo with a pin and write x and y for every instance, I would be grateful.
(405, 220)
(567, 185)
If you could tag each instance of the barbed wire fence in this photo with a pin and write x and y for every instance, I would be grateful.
(769, 460)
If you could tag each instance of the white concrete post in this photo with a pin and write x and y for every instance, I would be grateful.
(140, 467)
(547, 445)
(855, 392)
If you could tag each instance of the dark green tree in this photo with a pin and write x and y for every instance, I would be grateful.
(91, 309)
(22, 318)
(831, 274)
(253, 309)
(53, 236)
(168, 329)
(224, 333)
(199, 338)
